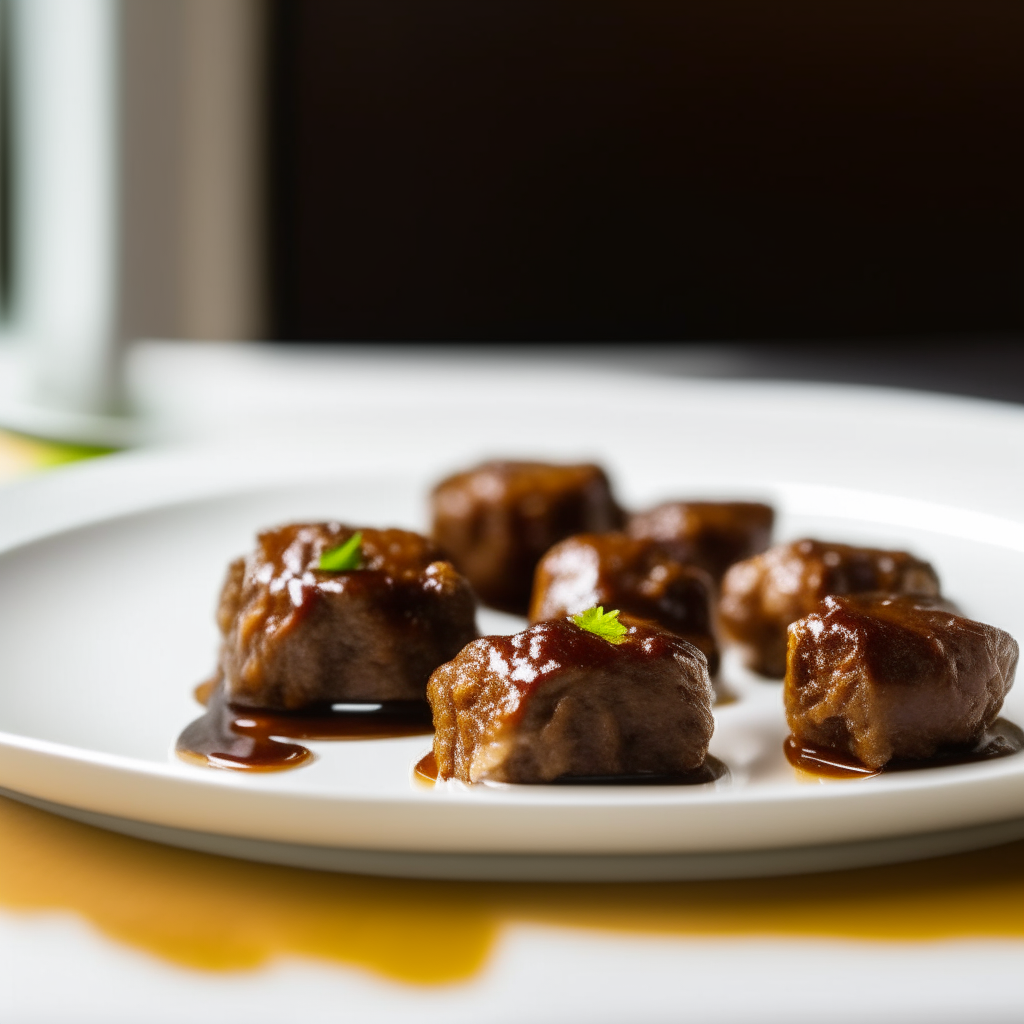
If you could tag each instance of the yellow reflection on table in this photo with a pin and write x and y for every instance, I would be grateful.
(21, 455)
(216, 913)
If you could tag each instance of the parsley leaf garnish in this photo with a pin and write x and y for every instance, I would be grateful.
(345, 556)
(604, 624)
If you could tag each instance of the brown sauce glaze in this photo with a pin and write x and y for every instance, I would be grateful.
(638, 576)
(526, 661)
(561, 700)
(425, 770)
(830, 764)
(246, 739)
(1002, 740)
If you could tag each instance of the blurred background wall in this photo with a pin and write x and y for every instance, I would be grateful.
(843, 174)
(645, 169)
(194, 110)
(133, 199)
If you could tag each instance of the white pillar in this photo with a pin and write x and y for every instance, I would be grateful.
(64, 210)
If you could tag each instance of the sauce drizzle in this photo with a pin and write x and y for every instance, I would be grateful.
(1001, 740)
(255, 739)
(425, 768)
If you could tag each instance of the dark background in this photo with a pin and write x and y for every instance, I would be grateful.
(563, 170)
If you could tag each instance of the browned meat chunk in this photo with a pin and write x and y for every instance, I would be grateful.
(496, 521)
(711, 534)
(639, 577)
(296, 635)
(764, 594)
(556, 700)
(881, 677)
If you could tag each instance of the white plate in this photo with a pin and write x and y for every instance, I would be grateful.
(109, 573)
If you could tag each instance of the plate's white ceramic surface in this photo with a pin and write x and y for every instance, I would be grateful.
(109, 574)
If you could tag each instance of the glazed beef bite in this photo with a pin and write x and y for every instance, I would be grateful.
(711, 534)
(496, 521)
(558, 701)
(764, 594)
(639, 577)
(880, 677)
(297, 635)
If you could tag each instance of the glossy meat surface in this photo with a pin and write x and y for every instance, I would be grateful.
(555, 701)
(709, 534)
(762, 595)
(295, 635)
(881, 677)
(495, 521)
(639, 577)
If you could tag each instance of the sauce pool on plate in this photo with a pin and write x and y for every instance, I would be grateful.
(1002, 740)
(256, 739)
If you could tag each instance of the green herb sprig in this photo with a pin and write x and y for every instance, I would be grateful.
(345, 556)
(604, 624)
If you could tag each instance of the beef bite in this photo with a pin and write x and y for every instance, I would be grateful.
(881, 677)
(762, 595)
(295, 635)
(639, 577)
(709, 534)
(558, 701)
(495, 521)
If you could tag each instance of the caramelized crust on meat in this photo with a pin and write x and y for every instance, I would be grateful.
(295, 635)
(709, 534)
(764, 594)
(495, 521)
(880, 677)
(557, 701)
(639, 577)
